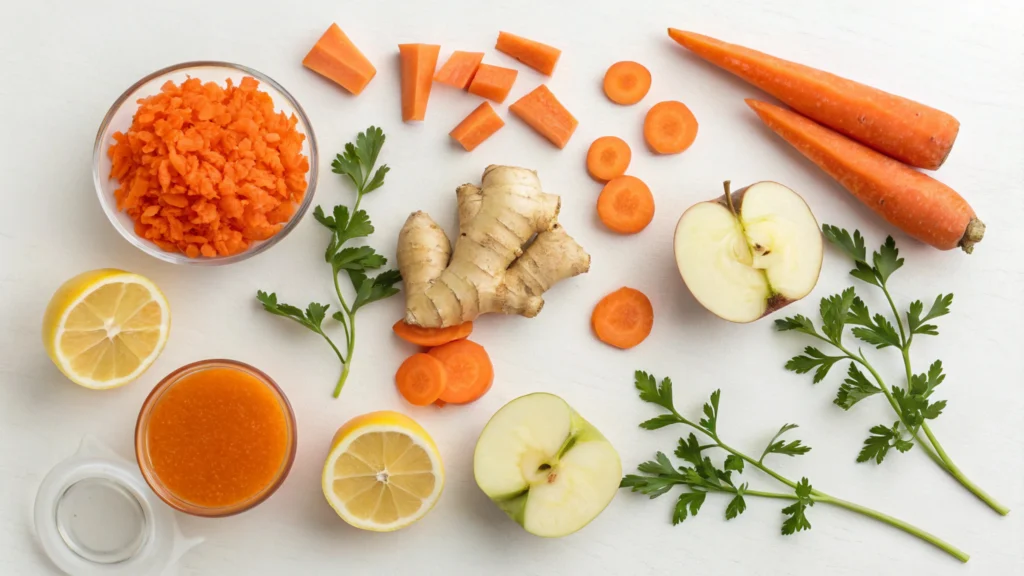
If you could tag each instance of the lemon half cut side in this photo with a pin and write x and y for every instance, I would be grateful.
(383, 472)
(104, 328)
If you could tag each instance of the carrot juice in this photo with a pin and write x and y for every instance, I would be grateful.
(215, 438)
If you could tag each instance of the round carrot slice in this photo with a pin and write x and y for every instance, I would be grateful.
(421, 379)
(470, 372)
(626, 205)
(626, 82)
(431, 336)
(623, 318)
(608, 157)
(669, 127)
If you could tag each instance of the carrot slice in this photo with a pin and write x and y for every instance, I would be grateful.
(623, 318)
(493, 82)
(913, 202)
(421, 379)
(431, 336)
(900, 128)
(669, 127)
(608, 158)
(470, 372)
(545, 114)
(417, 63)
(458, 71)
(540, 57)
(626, 82)
(626, 205)
(336, 58)
(477, 127)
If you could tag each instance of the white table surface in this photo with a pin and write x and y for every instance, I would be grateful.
(62, 64)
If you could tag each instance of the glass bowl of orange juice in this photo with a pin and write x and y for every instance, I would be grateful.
(215, 438)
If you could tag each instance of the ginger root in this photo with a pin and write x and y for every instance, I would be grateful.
(495, 267)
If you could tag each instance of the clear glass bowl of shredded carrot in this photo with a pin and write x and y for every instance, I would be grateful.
(205, 163)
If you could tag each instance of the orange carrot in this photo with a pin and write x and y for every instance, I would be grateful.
(431, 336)
(626, 205)
(897, 127)
(459, 69)
(421, 379)
(608, 158)
(417, 62)
(206, 170)
(540, 57)
(477, 127)
(669, 127)
(336, 58)
(493, 82)
(545, 114)
(623, 318)
(470, 372)
(626, 82)
(913, 202)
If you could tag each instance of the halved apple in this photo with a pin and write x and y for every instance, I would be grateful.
(545, 466)
(749, 253)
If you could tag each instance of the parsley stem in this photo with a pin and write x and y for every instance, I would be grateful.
(762, 494)
(758, 465)
(896, 316)
(819, 496)
(344, 306)
(946, 462)
(894, 522)
(342, 378)
(718, 443)
(333, 347)
(939, 454)
(955, 472)
(359, 198)
(895, 406)
(350, 336)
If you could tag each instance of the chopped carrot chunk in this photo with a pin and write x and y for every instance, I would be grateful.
(206, 170)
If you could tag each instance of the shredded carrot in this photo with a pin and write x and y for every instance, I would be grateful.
(206, 170)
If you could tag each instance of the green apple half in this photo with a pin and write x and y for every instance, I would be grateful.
(545, 466)
(748, 253)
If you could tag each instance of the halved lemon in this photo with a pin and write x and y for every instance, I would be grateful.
(104, 328)
(383, 472)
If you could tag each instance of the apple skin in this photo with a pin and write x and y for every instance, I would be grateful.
(580, 432)
(776, 301)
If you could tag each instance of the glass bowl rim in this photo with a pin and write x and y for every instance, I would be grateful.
(100, 146)
(142, 450)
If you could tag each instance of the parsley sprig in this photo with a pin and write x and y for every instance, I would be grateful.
(912, 403)
(700, 475)
(357, 163)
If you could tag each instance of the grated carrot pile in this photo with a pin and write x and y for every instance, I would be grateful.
(206, 170)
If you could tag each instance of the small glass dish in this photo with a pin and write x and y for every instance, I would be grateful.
(142, 448)
(95, 517)
(119, 118)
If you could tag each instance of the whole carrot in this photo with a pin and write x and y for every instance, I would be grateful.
(897, 127)
(913, 202)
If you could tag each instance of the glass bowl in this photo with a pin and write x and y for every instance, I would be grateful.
(142, 453)
(119, 118)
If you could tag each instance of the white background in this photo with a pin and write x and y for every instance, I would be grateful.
(61, 65)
